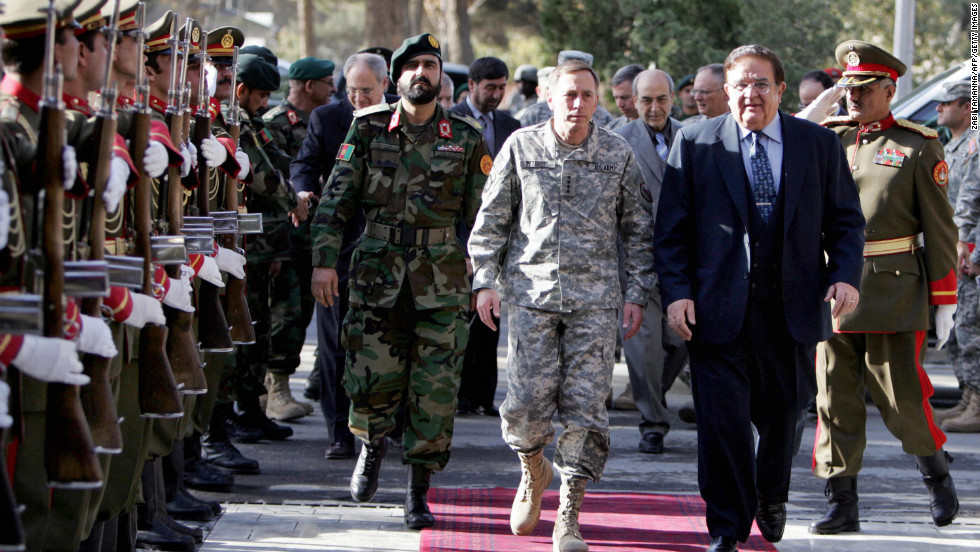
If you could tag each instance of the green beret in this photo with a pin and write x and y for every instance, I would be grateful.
(310, 68)
(687, 80)
(866, 63)
(255, 73)
(262, 52)
(424, 43)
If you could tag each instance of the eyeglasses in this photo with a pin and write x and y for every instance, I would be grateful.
(760, 87)
(700, 92)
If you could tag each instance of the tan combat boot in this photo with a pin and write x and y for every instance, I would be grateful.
(566, 537)
(536, 475)
(941, 416)
(968, 421)
(281, 405)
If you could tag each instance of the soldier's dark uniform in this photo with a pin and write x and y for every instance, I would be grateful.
(910, 258)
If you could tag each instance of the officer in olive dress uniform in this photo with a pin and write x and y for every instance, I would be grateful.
(909, 271)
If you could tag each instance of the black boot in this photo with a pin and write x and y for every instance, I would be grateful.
(218, 451)
(199, 475)
(125, 540)
(253, 417)
(92, 543)
(11, 529)
(843, 513)
(167, 489)
(312, 388)
(942, 494)
(154, 533)
(178, 504)
(417, 514)
(110, 533)
(364, 481)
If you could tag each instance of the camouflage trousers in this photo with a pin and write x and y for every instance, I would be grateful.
(560, 363)
(245, 368)
(291, 310)
(964, 342)
(399, 352)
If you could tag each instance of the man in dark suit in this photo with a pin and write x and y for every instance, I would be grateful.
(651, 136)
(366, 76)
(487, 82)
(751, 204)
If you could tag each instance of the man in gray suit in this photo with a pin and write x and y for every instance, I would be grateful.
(650, 137)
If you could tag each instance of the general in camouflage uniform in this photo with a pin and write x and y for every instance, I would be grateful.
(559, 196)
(910, 261)
(417, 171)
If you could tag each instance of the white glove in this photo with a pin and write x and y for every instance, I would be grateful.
(209, 272)
(155, 159)
(115, 187)
(214, 152)
(193, 149)
(242, 159)
(944, 323)
(5, 419)
(146, 310)
(188, 163)
(824, 106)
(4, 218)
(69, 164)
(96, 338)
(179, 294)
(231, 262)
(50, 359)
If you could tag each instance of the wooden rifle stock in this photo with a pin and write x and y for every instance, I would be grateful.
(98, 402)
(236, 306)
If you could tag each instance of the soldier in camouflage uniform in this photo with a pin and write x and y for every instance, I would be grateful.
(567, 173)
(310, 86)
(964, 195)
(541, 111)
(417, 171)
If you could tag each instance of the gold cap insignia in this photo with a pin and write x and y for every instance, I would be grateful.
(196, 35)
(227, 41)
(853, 58)
(433, 41)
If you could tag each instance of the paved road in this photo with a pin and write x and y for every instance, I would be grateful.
(300, 501)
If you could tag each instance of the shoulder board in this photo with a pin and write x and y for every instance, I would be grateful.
(837, 121)
(374, 109)
(923, 130)
(466, 119)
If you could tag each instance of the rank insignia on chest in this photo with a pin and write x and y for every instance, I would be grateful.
(941, 173)
(486, 164)
(445, 129)
(396, 117)
(345, 152)
(293, 118)
(264, 136)
(889, 158)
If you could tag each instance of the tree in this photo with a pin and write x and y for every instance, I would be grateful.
(386, 22)
(452, 21)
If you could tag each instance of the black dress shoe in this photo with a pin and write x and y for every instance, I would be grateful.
(241, 433)
(652, 443)
(270, 431)
(205, 478)
(192, 532)
(463, 407)
(182, 507)
(339, 450)
(312, 388)
(161, 537)
(214, 505)
(223, 456)
(771, 520)
(487, 410)
(364, 481)
(686, 413)
(723, 544)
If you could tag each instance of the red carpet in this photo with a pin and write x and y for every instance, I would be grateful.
(478, 520)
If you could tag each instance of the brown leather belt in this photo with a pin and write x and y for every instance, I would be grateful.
(908, 244)
(409, 236)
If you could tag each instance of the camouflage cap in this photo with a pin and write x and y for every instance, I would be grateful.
(953, 90)
(311, 68)
(865, 63)
(21, 18)
(424, 43)
(526, 72)
(544, 73)
(262, 52)
(222, 42)
(256, 73)
(566, 55)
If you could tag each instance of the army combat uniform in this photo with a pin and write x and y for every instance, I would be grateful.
(406, 329)
(964, 194)
(545, 238)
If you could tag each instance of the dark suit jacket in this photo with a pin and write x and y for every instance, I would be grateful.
(503, 124)
(651, 165)
(701, 239)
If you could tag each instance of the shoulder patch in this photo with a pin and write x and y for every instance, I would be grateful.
(445, 130)
(265, 137)
(345, 152)
(837, 121)
(923, 130)
(941, 173)
(292, 116)
(971, 146)
(486, 164)
(468, 120)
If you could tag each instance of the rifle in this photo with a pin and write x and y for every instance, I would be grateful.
(236, 307)
(158, 391)
(97, 398)
(212, 324)
(69, 458)
(182, 345)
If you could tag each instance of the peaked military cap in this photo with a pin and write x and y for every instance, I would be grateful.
(424, 43)
(222, 42)
(953, 90)
(23, 19)
(158, 34)
(197, 39)
(566, 55)
(262, 52)
(89, 16)
(311, 68)
(127, 13)
(256, 73)
(866, 63)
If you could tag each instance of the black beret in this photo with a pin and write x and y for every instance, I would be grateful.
(255, 73)
(424, 43)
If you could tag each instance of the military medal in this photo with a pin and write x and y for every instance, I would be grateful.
(941, 173)
(889, 158)
(445, 131)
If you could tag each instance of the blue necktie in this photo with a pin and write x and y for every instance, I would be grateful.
(764, 187)
(662, 146)
(487, 130)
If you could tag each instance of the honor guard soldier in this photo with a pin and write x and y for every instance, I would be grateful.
(909, 272)
(417, 172)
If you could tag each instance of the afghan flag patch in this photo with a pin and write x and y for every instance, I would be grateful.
(889, 157)
(345, 152)
(265, 137)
